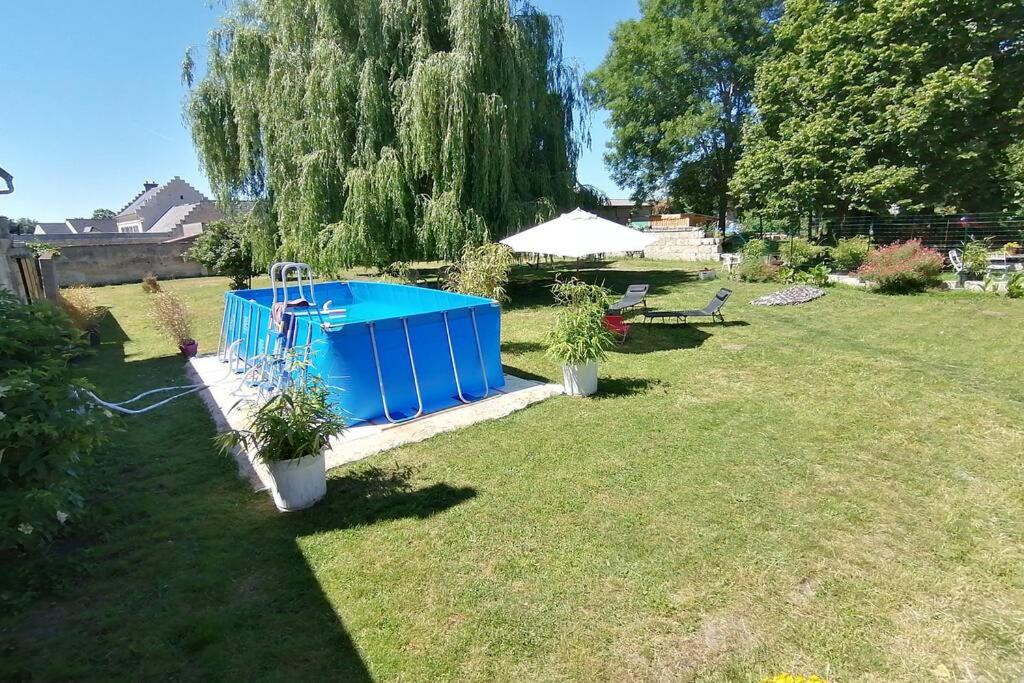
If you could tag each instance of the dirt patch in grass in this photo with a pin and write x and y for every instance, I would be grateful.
(803, 593)
(965, 635)
(678, 656)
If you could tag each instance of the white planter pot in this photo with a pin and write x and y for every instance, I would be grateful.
(706, 274)
(298, 484)
(580, 380)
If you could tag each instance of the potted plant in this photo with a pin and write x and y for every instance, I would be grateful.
(80, 305)
(579, 337)
(289, 434)
(174, 318)
(1011, 248)
(706, 274)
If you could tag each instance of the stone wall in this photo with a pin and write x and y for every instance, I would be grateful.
(118, 262)
(684, 245)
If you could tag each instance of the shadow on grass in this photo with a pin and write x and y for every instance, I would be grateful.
(372, 495)
(179, 569)
(524, 374)
(649, 338)
(623, 386)
(521, 347)
(531, 288)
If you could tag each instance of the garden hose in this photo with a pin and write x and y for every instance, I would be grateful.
(188, 389)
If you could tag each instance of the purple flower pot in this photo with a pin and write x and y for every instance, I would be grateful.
(189, 349)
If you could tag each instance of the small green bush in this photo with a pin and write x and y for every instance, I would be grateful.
(817, 276)
(48, 428)
(758, 271)
(849, 254)
(976, 257)
(295, 423)
(756, 250)
(798, 252)
(482, 271)
(223, 249)
(579, 335)
(903, 268)
(1015, 286)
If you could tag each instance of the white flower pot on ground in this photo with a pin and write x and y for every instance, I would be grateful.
(299, 483)
(580, 380)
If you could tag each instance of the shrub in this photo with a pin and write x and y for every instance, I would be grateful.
(798, 252)
(482, 271)
(223, 250)
(579, 335)
(818, 276)
(173, 317)
(1015, 286)
(976, 257)
(756, 250)
(80, 305)
(758, 271)
(48, 429)
(150, 284)
(902, 268)
(849, 254)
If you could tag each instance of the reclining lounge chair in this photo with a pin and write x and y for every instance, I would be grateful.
(635, 295)
(713, 310)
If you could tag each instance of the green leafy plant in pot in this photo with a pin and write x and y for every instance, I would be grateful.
(579, 338)
(289, 434)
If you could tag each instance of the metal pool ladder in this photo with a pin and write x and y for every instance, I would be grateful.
(268, 370)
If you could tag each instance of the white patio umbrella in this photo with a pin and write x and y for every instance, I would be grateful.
(577, 234)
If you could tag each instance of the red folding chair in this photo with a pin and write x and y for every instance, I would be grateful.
(617, 325)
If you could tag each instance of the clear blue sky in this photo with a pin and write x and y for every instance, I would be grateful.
(92, 96)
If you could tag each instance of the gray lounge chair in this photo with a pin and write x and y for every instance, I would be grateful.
(635, 295)
(713, 310)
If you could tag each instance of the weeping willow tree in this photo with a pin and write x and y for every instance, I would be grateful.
(373, 131)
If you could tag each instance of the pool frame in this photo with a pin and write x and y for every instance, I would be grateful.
(439, 350)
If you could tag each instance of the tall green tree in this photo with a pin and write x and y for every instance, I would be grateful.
(99, 214)
(678, 83)
(869, 103)
(374, 131)
(223, 249)
(21, 226)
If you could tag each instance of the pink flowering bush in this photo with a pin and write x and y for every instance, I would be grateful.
(902, 268)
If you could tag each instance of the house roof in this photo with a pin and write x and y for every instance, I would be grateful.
(625, 202)
(53, 229)
(140, 199)
(83, 225)
(174, 216)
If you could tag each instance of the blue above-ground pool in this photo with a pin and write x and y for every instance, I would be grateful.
(388, 353)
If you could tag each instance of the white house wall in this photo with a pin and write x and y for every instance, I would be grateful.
(175, 192)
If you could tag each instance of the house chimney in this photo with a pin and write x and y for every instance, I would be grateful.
(149, 185)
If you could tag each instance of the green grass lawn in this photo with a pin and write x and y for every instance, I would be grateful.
(833, 488)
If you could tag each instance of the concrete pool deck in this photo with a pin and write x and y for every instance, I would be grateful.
(228, 403)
